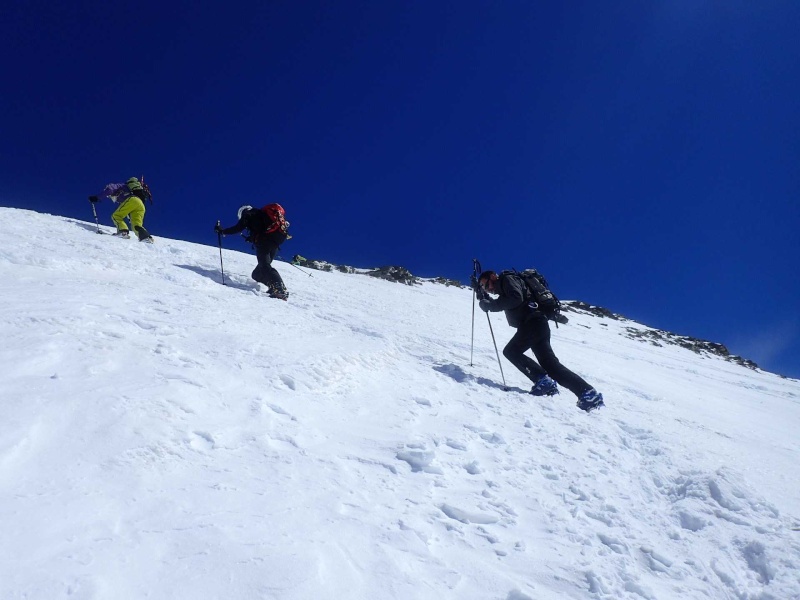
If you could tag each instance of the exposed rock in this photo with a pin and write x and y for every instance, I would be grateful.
(320, 265)
(599, 311)
(658, 337)
(448, 282)
(396, 274)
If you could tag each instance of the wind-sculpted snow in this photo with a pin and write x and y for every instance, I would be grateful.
(165, 436)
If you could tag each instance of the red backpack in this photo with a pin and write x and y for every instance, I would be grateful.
(277, 217)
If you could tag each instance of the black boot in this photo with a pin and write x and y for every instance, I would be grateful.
(144, 235)
(279, 292)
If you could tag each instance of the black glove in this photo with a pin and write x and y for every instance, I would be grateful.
(473, 283)
(217, 228)
(485, 304)
(93, 199)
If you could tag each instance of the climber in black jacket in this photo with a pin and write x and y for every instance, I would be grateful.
(533, 332)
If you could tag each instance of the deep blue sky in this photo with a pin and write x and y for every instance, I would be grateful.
(643, 155)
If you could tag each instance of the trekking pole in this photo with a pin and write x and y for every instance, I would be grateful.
(94, 211)
(301, 270)
(472, 340)
(219, 241)
(505, 387)
(475, 273)
(477, 269)
(304, 272)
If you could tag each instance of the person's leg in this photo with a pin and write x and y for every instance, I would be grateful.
(143, 234)
(272, 275)
(543, 352)
(515, 353)
(265, 273)
(123, 210)
(258, 273)
(137, 219)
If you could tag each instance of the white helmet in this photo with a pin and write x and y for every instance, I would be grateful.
(242, 209)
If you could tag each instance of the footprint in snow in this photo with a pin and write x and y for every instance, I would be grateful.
(467, 517)
(493, 438)
(202, 441)
(280, 411)
(547, 471)
(456, 445)
(419, 459)
(473, 468)
(488, 436)
(289, 382)
(656, 561)
(616, 545)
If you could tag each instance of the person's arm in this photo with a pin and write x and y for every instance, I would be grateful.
(238, 228)
(112, 189)
(511, 296)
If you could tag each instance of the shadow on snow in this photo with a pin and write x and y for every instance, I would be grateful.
(459, 375)
(87, 226)
(216, 276)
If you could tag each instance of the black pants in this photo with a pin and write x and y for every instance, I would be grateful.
(534, 334)
(265, 273)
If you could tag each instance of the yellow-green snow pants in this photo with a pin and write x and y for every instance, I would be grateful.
(133, 207)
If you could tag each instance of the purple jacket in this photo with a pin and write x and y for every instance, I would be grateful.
(114, 192)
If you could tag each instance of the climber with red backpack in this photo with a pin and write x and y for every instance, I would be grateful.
(266, 230)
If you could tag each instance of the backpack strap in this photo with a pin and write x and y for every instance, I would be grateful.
(524, 285)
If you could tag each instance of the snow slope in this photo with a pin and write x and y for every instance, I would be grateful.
(164, 436)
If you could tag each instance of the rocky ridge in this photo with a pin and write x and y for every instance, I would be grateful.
(389, 273)
(659, 337)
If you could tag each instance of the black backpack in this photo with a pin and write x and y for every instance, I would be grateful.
(546, 301)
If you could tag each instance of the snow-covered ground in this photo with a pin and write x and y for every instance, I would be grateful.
(164, 436)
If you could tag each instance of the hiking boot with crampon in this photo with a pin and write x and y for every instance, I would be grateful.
(545, 387)
(122, 234)
(590, 400)
(280, 294)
